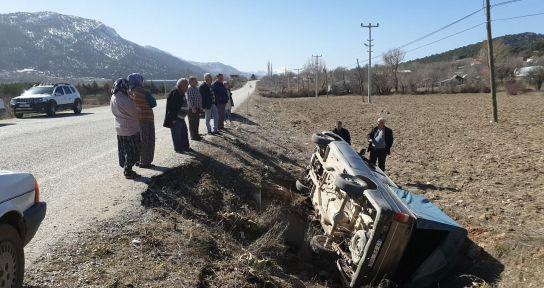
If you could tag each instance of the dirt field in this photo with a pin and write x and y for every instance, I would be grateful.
(228, 219)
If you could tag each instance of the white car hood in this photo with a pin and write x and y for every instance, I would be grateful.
(30, 96)
(14, 184)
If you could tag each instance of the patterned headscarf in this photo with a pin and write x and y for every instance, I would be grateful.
(135, 80)
(120, 85)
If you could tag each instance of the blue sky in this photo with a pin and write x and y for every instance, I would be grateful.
(246, 34)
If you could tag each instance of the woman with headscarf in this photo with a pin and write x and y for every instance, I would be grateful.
(127, 127)
(141, 98)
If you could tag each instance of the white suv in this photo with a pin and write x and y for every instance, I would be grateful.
(21, 213)
(47, 98)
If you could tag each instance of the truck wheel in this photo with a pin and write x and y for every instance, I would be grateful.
(19, 115)
(52, 109)
(12, 258)
(353, 186)
(301, 187)
(320, 247)
(321, 140)
(77, 106)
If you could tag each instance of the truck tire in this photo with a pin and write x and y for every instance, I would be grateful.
(52, 109)
(321, 249)
(12, 258)
(352, 185)
(321, 140)
(19, 115)
(78, 106)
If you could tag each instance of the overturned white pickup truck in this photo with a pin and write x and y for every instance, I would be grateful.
(375, 230)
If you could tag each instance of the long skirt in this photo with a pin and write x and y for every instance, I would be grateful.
(180, 137)
(129, 150)
(147, 134)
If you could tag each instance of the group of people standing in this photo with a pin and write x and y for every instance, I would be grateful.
(380, 141)
(132, 106)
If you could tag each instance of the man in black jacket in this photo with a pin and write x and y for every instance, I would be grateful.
(380, 140)
(209, 103)
(221, 98)
(176, 110)
(342, 132)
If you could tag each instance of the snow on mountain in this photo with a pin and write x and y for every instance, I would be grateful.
(71, 47)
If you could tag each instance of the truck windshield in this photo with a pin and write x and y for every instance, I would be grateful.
(39, 90)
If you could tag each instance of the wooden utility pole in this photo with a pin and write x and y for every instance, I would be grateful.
(298, 73)
(287, 77)
(360, 80)
(316, 71)
(491, 62)
(369, 45)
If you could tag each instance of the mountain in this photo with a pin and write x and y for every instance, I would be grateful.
(56, 45)
(218, 67)
(523, 45)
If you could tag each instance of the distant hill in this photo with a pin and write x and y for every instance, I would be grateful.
(217, 67)
(47, 44)
(522, 45)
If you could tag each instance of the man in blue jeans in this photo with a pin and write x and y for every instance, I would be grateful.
(209, 104)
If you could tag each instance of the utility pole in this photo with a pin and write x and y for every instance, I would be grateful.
(316, 71)
(360, 80)
(491, 62)
(287, 77)
(369, 45)
(298, 73)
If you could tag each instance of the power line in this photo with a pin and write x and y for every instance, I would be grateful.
(440, 29)
(444, 38)
(517, 17)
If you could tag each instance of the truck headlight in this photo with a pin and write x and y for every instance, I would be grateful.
(12, 102)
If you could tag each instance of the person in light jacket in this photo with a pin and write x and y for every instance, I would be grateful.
(127, 127)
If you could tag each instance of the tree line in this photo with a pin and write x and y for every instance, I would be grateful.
(467, 75)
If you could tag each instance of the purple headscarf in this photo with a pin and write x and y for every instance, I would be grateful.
(135, 80)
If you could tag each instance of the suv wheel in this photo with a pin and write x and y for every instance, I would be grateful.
(77, 106)
(12, 260)
(353, 186)
(19, 115)
(52, 109)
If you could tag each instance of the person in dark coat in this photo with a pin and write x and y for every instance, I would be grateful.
(222, 98)
(176, 111)
(209, 104)
(380, 141)
(342, 132)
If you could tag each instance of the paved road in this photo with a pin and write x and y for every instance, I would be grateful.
(74, 158)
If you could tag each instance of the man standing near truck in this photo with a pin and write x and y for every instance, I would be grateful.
(380, 140)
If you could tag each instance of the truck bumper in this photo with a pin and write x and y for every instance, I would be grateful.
(33, 217)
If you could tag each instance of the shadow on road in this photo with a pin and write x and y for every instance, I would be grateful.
(61, 115)
(242, 119)
(6, 124)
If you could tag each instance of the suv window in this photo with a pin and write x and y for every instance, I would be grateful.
(73, 89)
(40, 90)
(67, 90)
(59, 90)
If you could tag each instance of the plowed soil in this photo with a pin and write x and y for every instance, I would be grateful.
(229, 217)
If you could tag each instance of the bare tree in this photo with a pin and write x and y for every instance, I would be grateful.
(505, 63)
(536, 76)
(392, 59)
(381, 82)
